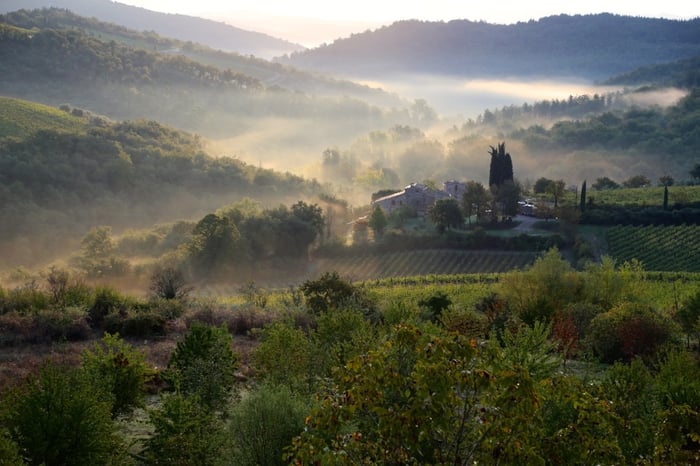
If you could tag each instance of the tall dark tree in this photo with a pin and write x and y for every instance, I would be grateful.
(501, 168)
(665, 197)
(583, 196)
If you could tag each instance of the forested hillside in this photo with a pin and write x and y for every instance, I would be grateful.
(266, 72)
(187, 28)
(121, 77)
(588, 46)
(62, 173)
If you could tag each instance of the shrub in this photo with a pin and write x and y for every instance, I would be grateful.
(169, 283)
(330, 291)
(204, 364)
(264, 423)
(119, 369)
(56, 325)
(283, 356)
(184, 434)
(627, 331)
(107, 301)
(135, 324)
(59, 419)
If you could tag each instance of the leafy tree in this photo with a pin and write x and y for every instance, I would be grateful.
(185, 434)
(330, 291)
(446, 214)
(119, 369)
(283, 357)
(58, 418)
(556, 189)
(98, 255)
(542, 185)
(378, 221)
(695, 172)
(204, 364)
(507, 196)
(637, 181)
(169, 283)
(214, 244)
(605, 183)
(264, 423)
(666, 180)
(474, 199)
(436, 304)
(544, 288)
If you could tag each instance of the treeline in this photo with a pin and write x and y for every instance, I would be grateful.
(57, 184)
(684, 74)
(593, 46)
(672, 132)
(38, 54)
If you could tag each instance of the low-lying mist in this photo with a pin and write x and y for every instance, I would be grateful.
(457, 96)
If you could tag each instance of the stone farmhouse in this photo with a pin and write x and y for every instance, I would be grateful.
(419, 197)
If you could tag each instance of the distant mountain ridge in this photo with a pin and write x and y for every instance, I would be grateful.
(583, 46)
(215, 34)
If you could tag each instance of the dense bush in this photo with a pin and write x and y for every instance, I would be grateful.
(119, 370)
(58, 418)
(264, 423)
(629, 331)
(204, 365)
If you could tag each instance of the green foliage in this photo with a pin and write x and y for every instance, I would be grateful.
(107, 301)
(378, 221)
(630, 389)
(284, 357)
(436, 305)
(204, 364)
(678, 386)
(9, 451)
(474, 200)
(527, 348)
(339, 337)
(58, 418)
(446, 214)
(185, 434)
(539, 291)
(214, 246)
(120, 371)
(264, 423)
(628, 331)
(330, 291)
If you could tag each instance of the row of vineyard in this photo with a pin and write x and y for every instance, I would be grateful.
(426, 262)
(659, 248)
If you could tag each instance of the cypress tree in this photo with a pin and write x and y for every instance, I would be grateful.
(583, 196)
(666, 197)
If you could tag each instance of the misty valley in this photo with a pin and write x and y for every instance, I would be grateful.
(430, 243)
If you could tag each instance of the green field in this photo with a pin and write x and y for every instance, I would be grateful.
(646, 196)
(659, 248)
(20, 118)
(425, 262)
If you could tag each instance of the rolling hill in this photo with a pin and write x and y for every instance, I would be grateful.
(187, 28)
(583, 46)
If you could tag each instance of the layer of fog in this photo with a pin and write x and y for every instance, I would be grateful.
(446, 150)
(456, 96)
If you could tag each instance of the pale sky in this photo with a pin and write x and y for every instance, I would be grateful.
(317, 21)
